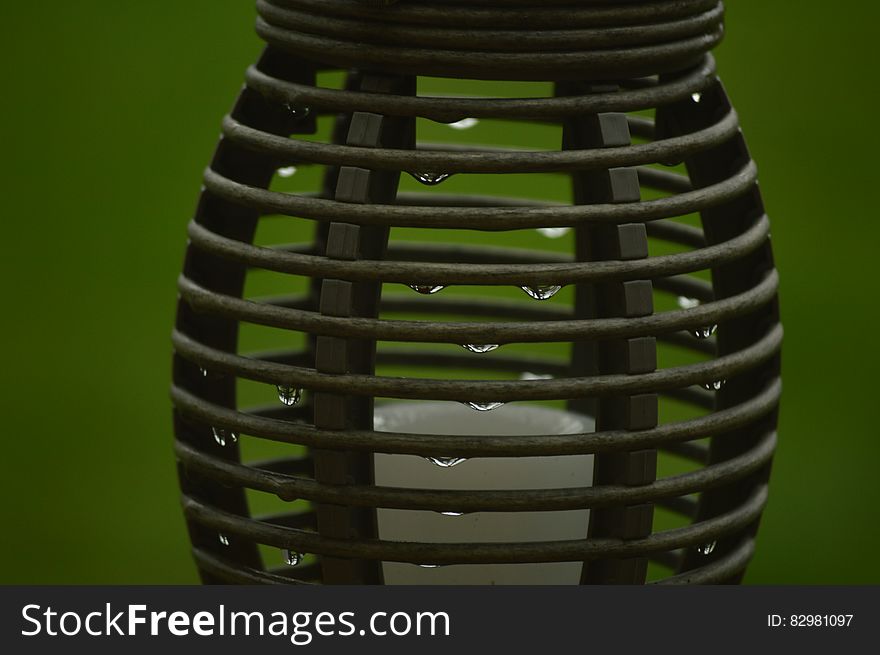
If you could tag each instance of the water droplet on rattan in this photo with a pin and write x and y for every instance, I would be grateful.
(480, 348)
(203, 371)
(688, 303)
(705, 332)
(289, 395)
(298, 112)
(484, 407)
(696, 97)
(527, 375)
(224, 540)
(452, 513)
(427, 289)
(706, 549)
(715, 385)
(542, 292)
(446, 462)
(223, 436)
(291, 557)
(554, 232)
(430, 179)
(464, 124)
(287, 171)
(428, 566)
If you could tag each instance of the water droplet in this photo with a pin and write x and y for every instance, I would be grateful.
(428, 566)
(696, 97)
(222, 436)
(224, 540)
(535, 376)
(715, 385)
(289, 395)
(483, 407)
(298, 112)
(446, 462)
(426, 289)
(287, 171)
(688, 303)
(480, 348)
(705, 332)
(706, 549)
(464, 124)
(554, 232)
(291, 557)
(542, 292)
(431, 179)
(203, 371)
(452, 513)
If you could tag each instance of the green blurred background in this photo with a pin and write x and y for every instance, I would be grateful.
(112, 110)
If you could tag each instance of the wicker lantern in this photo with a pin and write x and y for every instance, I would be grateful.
(560, 187)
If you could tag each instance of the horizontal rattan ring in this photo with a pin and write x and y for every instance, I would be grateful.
(461, 253)
(710, 313)
(520, 500)
(711, 573)
(498, 363)
(723, 367)
(634, 61)
(553, 14)
(477, 553)
(450, 110)
(719, 422)
(500, 309)
(425, 272)
(295, 151)
(481, 218)
(489, 39)
(651, 39)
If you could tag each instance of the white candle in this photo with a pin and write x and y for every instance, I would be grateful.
(482, 473)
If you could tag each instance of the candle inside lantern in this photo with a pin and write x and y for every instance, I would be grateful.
(494, 473)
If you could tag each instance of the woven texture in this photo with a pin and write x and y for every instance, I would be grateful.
(646, 300)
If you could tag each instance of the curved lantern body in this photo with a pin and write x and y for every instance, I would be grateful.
(562, 188)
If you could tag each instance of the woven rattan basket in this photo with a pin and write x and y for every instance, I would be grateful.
(561, 187)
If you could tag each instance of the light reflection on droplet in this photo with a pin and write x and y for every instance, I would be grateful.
(223, 436)
(298, 112)
(289, 395)
(287, 171)
(544, 292)
(446, 462)
(527, 375)
(464, 124)
(706, 549)
(483, 407)
(480, 348)
(705, 332)
(554, 232)
(431, 179)
(427, 289)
